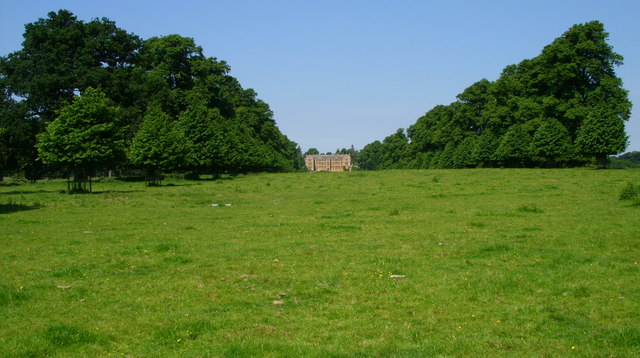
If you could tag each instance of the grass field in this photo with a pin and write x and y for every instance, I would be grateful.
(513, 263)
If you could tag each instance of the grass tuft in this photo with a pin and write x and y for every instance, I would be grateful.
(530, 208)
(12, 296)
(63, 335)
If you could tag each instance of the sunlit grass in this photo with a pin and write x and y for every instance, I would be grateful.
(485, 263)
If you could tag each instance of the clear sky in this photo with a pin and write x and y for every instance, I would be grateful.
(338, 73)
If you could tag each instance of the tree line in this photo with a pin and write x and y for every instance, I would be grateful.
(81, 96)
(565, 107)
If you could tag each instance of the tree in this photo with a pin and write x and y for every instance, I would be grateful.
(85, 136)
(62, 56)
(177, 70)
(483, 153)
(17, 138)
(259, 125)
(627, 160)
(514, 148)
(240, 132)
(551, 145)
(197, 122)
(462, 157)
(601, 134)
(470, 116)
(159, 144)
(312, 151)
(633, 157)
(394, 150)
(371, 156)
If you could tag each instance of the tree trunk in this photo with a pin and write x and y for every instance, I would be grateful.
(601, 161)
(79, 183)
(153, 179)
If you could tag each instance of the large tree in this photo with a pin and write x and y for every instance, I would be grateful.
(85, 136)
(62, 56)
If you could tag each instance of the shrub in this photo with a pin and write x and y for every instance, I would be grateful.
(629, 192)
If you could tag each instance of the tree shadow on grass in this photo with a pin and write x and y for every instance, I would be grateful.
(112, 192)
(168, 185)
(11, 207)
(18, 192)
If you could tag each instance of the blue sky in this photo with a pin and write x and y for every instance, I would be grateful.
(342, 73)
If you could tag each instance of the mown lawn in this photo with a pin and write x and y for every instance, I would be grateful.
(526, 263)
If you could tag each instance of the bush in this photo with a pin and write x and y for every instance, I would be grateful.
(629, 192)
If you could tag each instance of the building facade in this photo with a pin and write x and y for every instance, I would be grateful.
(328, 163)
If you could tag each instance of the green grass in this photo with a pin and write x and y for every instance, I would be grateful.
(526, 263)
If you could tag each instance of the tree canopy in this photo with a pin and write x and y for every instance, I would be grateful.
(85, 136)
(164, 83)
(564, 107)
(160, 144)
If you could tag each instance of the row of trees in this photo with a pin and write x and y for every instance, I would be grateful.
(565, 107)
(353, 152)
(626, 160)
(90, 95)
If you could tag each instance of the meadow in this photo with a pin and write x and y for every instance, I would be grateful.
(422, 263)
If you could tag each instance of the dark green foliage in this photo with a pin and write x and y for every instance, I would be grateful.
(85, 136)
(371, 156)
(312, 151)
(601, 134)
(633, 157)
(228, 129)
(462, 155)
(563, 107)
(392, 153)
(160, 144)
(629, 192)
(63, 57)
(395, 147)
(483, 152)
(627, 160)
(18, 130)
(514, 149)
(551, 145)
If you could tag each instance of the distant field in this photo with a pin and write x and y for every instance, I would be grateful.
(514, 263)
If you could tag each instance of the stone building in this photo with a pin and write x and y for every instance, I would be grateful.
(328, 163)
